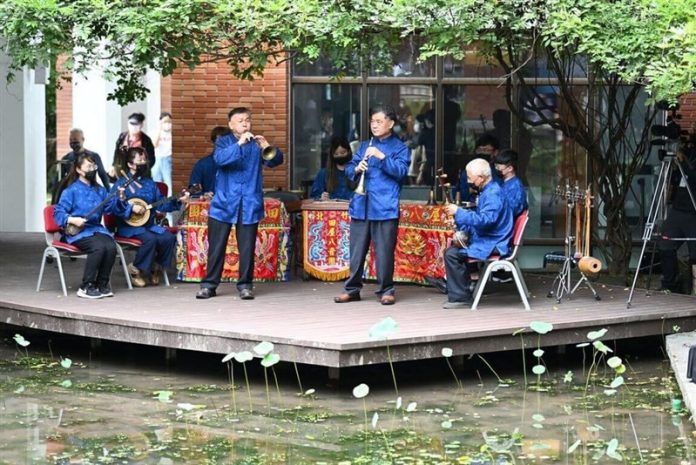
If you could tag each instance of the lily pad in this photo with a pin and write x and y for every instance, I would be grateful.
(447, 424)
(538, 417)
(243, 357)
(574, 446)
(446, 352)
(541, 327)
(263, 348)
(602, 347)
(592, 335)
(270, 359)
(66, 363)
(228, 357)
(411, 407)
(538, 353)
(383, 329)
(361, 390)
(375, 419)
(66, 384)
(19, 339)
(582, 344)
(614, 362)
(618, 381)
(538, 369)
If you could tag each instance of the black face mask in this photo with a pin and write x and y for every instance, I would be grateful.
(141, 170)
(342, 160)
(75, 146)
(91, 175)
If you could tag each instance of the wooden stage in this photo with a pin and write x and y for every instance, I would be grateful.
(305, 325)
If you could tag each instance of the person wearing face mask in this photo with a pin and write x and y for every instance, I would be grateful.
(487, 147)
(158, 244)
(162, 171)
(374, 216)
(77, 144)
(489, 227)
(331, 182)
(505, 163)
(79, 196)
(135, 137)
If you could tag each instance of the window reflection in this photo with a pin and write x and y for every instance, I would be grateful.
(320, 112)
(415, 109)
(404, 63)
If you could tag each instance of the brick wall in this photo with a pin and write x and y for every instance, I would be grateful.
(63, 115)
(201, 99)
(688, 112)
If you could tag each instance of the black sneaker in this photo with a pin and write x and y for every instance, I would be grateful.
(89, 292)
(105, 290)
(438, 283)
(501, 276)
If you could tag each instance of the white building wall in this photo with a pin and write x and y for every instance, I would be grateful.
(22, 151)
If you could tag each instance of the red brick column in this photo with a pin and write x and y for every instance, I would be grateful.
(201, 99)
(63, 114)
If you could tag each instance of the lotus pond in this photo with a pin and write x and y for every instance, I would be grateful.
(63, 403)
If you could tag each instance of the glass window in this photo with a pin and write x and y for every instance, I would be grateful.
(472, 66)
(415, 109)
(547, 160)
(403, 63)
(539, 66)
(321, 111)
(324, 67)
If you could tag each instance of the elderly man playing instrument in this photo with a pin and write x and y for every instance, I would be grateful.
(489, 227)
(239, 157)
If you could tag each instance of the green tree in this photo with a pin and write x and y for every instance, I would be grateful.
(628, 47)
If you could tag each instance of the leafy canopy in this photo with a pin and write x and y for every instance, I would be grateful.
(650, 41)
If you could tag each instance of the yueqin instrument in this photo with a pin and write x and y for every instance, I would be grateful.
(142, 218)
(72, 230)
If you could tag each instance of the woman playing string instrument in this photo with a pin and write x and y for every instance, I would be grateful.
(78, 206)
(157, 249)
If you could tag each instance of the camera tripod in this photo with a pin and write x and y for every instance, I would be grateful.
(562, 285)
(657, 204)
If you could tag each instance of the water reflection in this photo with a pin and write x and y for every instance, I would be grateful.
(111, 412)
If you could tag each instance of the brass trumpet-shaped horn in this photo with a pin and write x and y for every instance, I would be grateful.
(268, 153)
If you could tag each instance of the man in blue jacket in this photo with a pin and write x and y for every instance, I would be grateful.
(489, 227)
(238, 201)
(374, 216)
(514, 191)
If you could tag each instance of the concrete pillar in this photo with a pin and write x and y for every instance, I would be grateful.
(103, 120)
(22, 150)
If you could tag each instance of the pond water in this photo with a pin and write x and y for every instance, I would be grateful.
(124, 405)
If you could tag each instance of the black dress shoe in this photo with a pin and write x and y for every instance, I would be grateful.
(206, 293)
(438, 283)
(246, 294)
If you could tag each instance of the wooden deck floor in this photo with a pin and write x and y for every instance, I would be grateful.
(305, 325)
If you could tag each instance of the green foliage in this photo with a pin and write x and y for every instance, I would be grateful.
(641, 41)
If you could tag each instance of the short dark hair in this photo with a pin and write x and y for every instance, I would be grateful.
(488, 139)
(237, 111)
(506, 157)
(139, 117)
(388, 111)
(165, 113)
(217, 132)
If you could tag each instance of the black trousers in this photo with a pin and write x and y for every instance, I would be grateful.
(101, 255)
(458, 275)
(156, 248)
(383, 235)
(218, 232)
(677, 224)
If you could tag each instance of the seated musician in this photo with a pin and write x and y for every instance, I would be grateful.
(515, 193)
(79, 206)
(489, 228)
(205, 170)
(331, 182)
(487, 147)
(158, 243)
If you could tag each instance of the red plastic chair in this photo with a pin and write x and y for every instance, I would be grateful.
(56, 248)
(509, 263)
(129, 243)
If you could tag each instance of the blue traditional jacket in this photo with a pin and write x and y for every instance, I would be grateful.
(203, 173)
(341, 191)
(383, 180)
(148, 192)
(515, 195)
(77, 200)
(239, 180)
(489, 225)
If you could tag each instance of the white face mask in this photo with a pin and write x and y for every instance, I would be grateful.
(134, 128)
(167, 127)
